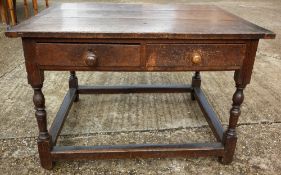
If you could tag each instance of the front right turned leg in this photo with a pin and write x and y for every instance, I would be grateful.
(230, 135)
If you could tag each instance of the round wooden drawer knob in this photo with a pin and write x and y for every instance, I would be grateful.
(196, 58)
(91, 58)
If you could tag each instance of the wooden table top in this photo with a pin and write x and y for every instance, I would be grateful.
(139, 21)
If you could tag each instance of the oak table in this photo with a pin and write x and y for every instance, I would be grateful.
(137, 37)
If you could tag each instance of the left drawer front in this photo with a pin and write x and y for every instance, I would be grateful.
(107, 55)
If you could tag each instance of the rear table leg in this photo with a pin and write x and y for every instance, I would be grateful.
(196, 82)
(73, 83)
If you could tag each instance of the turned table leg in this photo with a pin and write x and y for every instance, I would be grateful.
(242, 77)
(26, 9)
(196, 82)
(35, 6)
(73, 83)
(3, 11)
(230, 135)
(11, 6)
(44, 139)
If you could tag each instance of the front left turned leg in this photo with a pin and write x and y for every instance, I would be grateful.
(230, 135)
(44, 139)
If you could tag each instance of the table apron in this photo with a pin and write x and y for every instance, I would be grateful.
(139, 56)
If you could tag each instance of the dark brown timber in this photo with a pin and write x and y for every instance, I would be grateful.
(196, 82)
(44, 139)
(137, 37)
(134, 151)
(58, 122)
(73, 83)
(209, 114)
(134, 89)
(150, 21)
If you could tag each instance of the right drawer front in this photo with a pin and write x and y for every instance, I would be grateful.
(220, 56)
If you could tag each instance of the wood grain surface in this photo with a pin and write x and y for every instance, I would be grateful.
(106, 20)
